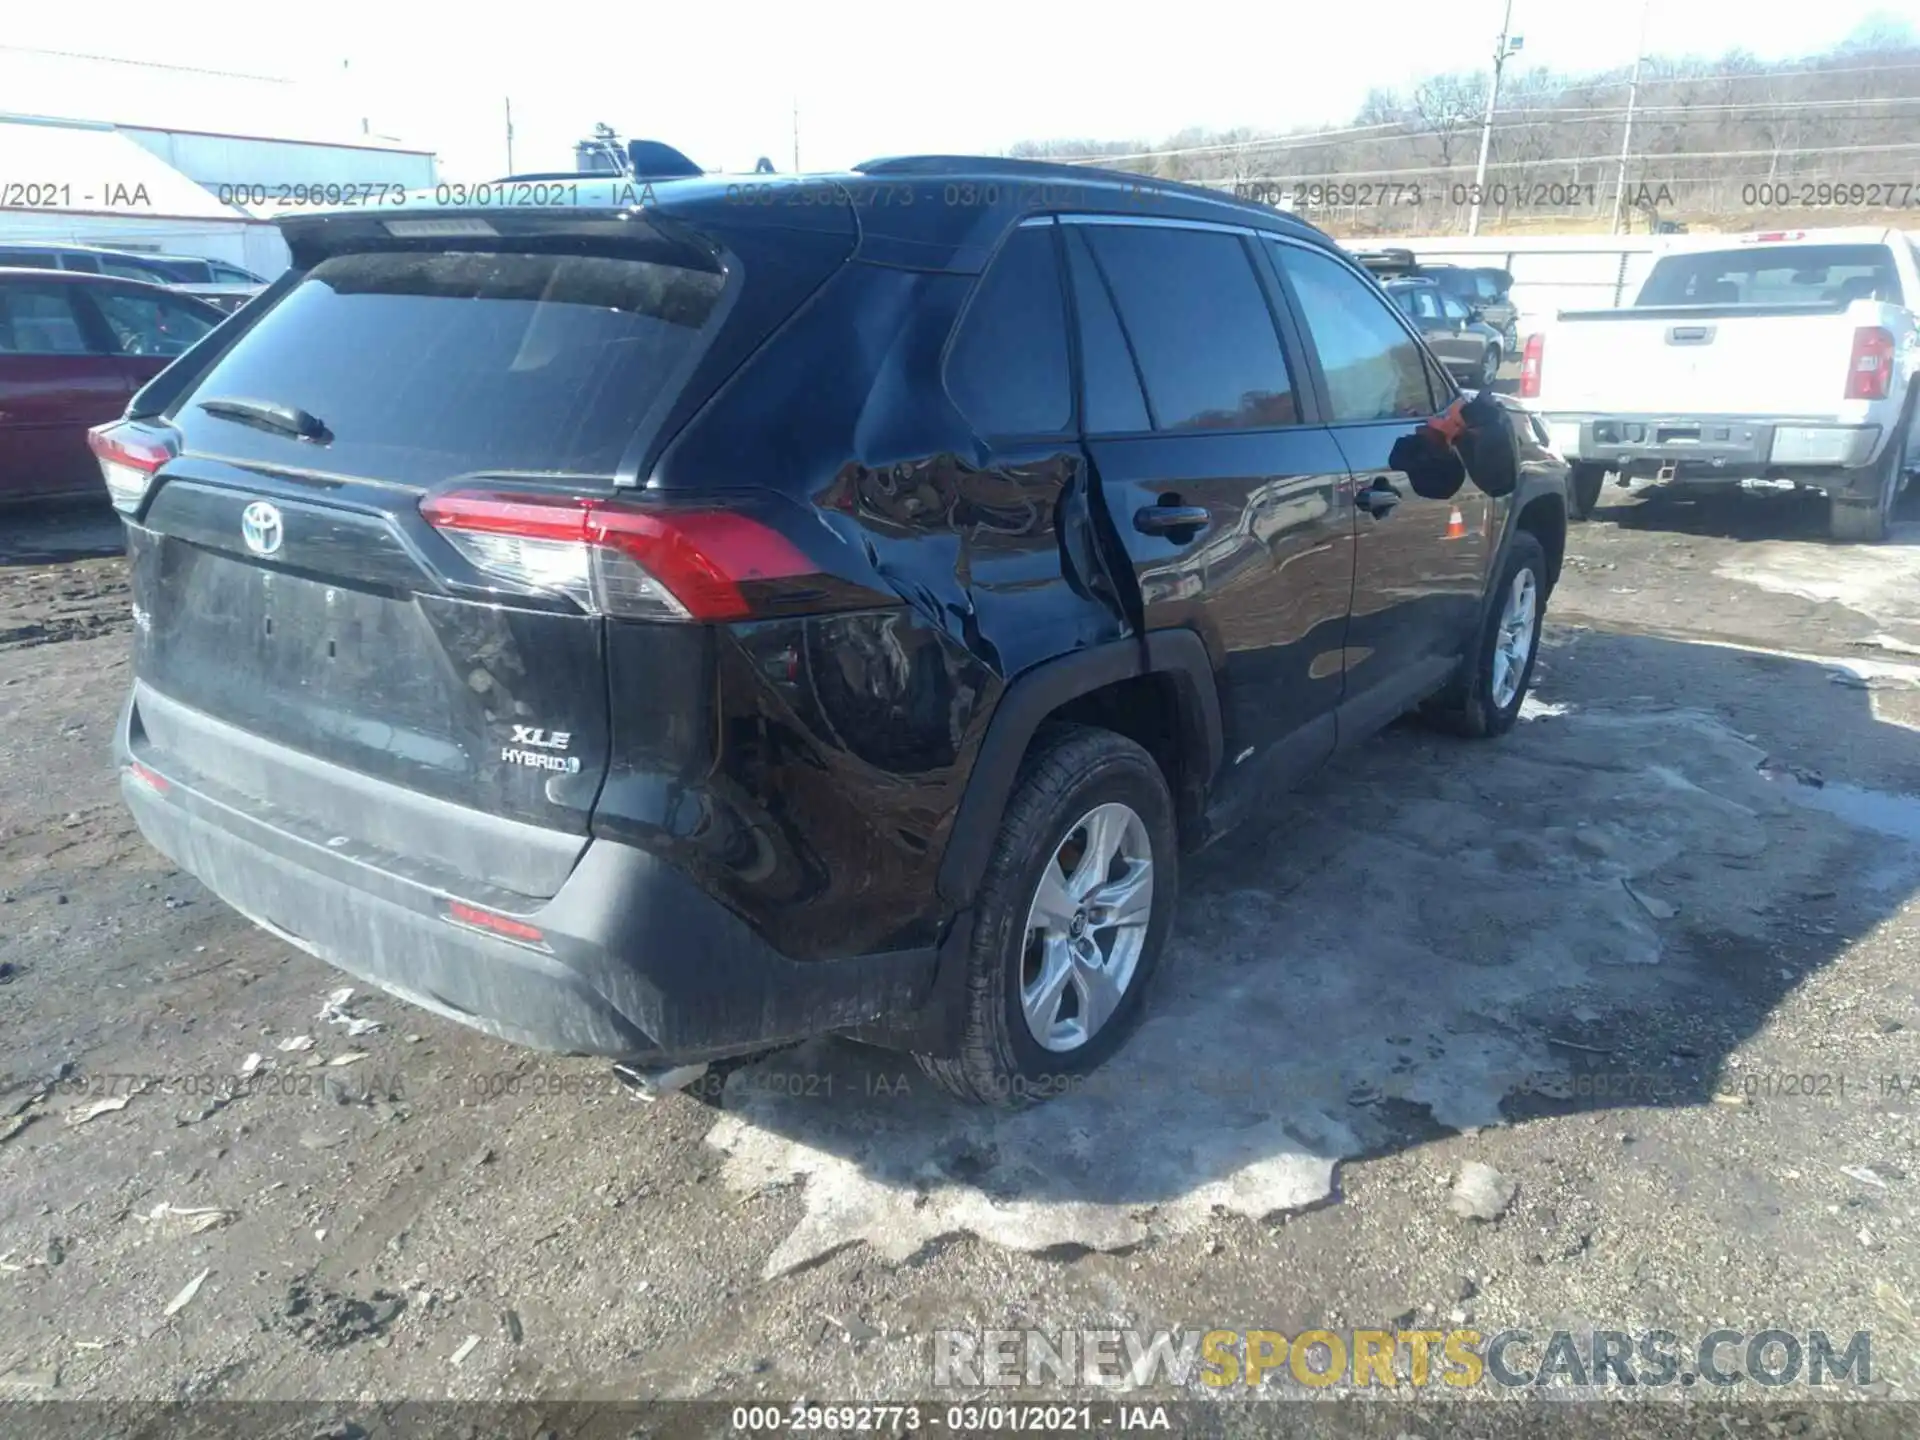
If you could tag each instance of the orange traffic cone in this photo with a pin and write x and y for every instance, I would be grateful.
(1456, 525)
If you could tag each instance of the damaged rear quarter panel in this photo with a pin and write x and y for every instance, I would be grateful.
(842, 743)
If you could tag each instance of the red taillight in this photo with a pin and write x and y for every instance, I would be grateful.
(474, 917)
(129, 453)
(1530, 362)
(618, 558)
(1870, 370)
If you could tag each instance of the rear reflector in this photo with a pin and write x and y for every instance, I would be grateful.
(475, 918)
(1530, 361)
(153, 780)
(129, 453)
(615, 558)
(1870, 368)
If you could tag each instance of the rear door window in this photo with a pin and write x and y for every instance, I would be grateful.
(128, 270)
(1008, 370)
(425, 366)
(1374, 369)
(1199, 325)
(85, 264)
(1421, 303)
(39, 320)
(144, 324)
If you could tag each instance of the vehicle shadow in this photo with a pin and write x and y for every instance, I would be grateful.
(1735, 514)
(1434, 935)
(48, 531)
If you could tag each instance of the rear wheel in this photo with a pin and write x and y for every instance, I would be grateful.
(1070, 921)
(1866, 521)
(1486, 700)
(1583, 490)
(1490, 367)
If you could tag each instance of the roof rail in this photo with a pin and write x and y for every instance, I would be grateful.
(1008, 165)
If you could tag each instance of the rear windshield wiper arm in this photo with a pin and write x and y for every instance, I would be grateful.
(286, 419)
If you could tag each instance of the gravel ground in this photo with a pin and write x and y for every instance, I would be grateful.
(1651, 959)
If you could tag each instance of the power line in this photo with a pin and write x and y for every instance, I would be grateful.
(1544, 161)
(146, 64)
(1667, 117)
(1302, 139)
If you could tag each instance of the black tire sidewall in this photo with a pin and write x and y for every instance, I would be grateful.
(1584, 484)
(1122, 772)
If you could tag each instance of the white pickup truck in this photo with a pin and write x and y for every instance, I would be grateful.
(1790, 355)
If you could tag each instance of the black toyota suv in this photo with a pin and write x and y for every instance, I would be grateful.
(668, 620)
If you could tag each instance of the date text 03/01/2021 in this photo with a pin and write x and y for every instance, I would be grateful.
(963, 1418)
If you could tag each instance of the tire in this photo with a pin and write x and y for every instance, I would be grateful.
(1072, 774)
(1583, 490)
(1490, 367)
(1478, 705)
(1853, 522)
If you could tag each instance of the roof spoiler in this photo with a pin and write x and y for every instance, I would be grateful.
(652, 160)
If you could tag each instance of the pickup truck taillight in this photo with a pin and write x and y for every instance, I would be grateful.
(1530, 360)
(1870, 371)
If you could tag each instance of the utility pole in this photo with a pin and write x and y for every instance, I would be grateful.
(1506, 47)
(796, 134)
(509, 134)
(1626, 139)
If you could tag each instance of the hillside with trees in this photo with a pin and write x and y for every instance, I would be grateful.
(1726, 143)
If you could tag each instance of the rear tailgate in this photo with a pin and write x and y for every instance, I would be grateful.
(1764, 327)
(1697, 360)
(300, 628)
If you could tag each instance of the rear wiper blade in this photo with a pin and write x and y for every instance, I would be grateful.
(268, 415)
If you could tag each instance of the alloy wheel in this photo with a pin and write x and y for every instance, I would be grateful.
(1513, 641)
(1087, 927)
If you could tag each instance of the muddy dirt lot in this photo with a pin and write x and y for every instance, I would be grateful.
(1651, 958)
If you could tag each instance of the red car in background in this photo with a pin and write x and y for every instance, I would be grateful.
(73, 349)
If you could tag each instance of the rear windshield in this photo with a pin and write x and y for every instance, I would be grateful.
(1773, 274)
(427, 366)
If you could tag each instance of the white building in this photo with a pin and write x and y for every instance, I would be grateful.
(160, 158)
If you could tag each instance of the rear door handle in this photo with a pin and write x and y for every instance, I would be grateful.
(1170, 519)
(1377, 499)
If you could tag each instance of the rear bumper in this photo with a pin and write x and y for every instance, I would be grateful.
(1811, 449)
(630, 958)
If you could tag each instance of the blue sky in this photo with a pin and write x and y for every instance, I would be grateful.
(869, 78)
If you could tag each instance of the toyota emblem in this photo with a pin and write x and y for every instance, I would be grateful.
(262, 528)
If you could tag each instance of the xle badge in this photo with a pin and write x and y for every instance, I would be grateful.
(535, 747)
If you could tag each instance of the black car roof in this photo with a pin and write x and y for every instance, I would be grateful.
(923, 212)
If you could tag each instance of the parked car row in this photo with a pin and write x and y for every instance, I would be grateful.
(1484, 291)
(73, 348)
(226, 286)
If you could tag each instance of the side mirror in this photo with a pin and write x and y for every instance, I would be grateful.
(1474, 440)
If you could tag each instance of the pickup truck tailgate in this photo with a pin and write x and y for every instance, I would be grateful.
(1700, 359)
